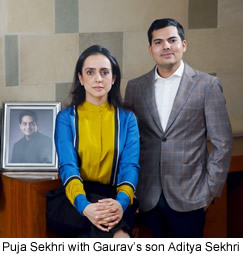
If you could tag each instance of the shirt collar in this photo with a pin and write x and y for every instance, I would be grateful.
(96, 108)
(177, 73)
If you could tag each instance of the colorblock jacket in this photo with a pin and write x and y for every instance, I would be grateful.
(126, 155)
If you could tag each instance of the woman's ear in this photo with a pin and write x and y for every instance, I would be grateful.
(80, 78)
(113, 80)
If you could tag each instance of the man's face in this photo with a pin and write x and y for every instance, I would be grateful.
(28, 126)
(167, 48)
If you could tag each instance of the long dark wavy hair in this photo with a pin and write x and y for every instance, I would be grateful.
(78, 92)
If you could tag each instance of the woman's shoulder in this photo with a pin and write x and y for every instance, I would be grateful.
(126, 113)
(66, 113)
(70, 110)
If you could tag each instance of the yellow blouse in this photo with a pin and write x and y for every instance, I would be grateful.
(96, 141)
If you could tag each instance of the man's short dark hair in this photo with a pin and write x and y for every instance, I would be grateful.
(162, 23)
(28, 113)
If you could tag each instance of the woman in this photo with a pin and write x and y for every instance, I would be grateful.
(97, 143)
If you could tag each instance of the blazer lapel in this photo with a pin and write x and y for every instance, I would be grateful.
(184, 90)
(148, 92)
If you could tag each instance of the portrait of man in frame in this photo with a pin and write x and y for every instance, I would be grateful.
(28, 136)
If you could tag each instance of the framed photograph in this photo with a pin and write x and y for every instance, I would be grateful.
(28, 136)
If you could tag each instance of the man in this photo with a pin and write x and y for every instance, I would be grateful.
(34, 147)
(177, 108)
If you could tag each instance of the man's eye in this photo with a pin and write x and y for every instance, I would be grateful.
(157, 43)
(90, 72)
(173, 40)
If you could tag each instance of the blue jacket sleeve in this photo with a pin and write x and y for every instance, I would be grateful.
(129, 156)
(64, 141)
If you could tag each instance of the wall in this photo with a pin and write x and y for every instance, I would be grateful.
(40, 41)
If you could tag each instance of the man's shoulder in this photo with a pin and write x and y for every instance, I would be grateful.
(198, 73)
(20, 142)
(142, 77)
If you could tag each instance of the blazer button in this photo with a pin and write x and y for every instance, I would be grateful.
(164, 139)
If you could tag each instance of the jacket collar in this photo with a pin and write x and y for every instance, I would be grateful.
(148, 91)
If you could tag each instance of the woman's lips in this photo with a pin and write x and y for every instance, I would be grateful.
(98, 88)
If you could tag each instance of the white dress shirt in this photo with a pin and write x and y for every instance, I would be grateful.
(165, 93)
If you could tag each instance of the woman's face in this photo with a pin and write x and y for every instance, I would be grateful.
(96, 78)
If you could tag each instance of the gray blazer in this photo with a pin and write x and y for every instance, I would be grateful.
(177, 160)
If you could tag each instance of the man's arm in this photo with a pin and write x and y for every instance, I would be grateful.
(220, 134)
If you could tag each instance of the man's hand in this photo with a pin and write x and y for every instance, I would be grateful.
(206, 207)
